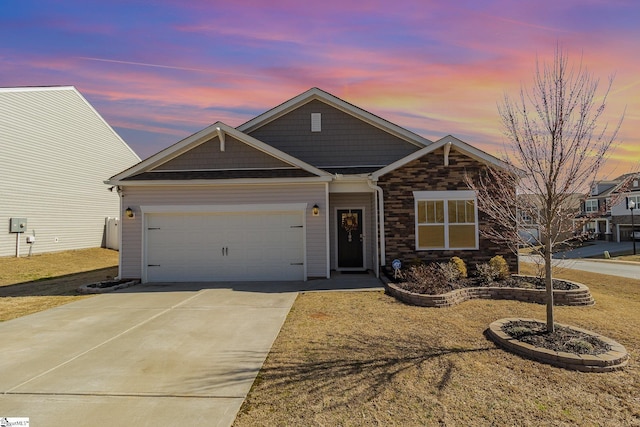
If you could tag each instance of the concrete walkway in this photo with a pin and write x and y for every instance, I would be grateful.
(163, 354)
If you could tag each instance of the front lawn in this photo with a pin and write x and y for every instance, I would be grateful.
(363, 358)
(40, 282)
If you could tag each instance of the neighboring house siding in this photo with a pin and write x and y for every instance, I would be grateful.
(343, 141)
(354, 200)
(429, 174)
(55, 153)
(236, 154)
(311, 194)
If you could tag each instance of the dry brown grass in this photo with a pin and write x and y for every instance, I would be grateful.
(362, 358)
(40, 282)
(635, 258)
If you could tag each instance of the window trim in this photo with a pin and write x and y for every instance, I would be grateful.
(588, 202)
(445, 196)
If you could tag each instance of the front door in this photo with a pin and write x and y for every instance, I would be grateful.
(350, 239)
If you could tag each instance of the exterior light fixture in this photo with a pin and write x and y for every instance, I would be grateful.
(129, 213)
(315, 210)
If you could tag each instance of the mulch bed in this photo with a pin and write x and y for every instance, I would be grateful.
(562, 339)
(436, 286)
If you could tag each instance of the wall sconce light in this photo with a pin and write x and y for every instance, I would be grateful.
(315, 210)
(129, 213)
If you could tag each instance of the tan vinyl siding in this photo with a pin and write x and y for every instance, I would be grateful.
(55, 153)
(343, 141)
(354, 200)
(132, 233)
(236, 155)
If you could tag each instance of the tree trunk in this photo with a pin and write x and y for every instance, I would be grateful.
(549, 285)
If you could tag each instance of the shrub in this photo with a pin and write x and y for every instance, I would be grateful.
(485, 272)
(449, 271)
(500, 267)
(459, 265)
(427, 279)
(579, 346)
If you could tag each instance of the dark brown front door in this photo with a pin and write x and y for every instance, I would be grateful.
(350, 239)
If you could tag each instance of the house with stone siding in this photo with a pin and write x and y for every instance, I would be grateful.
(312, 186)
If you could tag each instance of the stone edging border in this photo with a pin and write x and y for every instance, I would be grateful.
(94, 288)
(572, 297)
(613, 360)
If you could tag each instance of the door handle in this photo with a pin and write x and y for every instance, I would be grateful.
(226, 251)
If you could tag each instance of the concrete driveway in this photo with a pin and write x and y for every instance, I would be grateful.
(150, 355)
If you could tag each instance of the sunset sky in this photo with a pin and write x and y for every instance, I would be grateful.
(160, 70)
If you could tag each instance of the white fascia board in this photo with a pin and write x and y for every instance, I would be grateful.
(475, 153)
(318, 94)
(212, 182)
(459, 145)
(205, 135)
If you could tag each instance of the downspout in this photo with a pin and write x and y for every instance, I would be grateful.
(380, 221)
(120, 221)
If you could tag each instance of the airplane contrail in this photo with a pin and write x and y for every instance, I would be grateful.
(143, 64)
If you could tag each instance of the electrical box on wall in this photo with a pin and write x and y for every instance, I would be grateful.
(17, 225)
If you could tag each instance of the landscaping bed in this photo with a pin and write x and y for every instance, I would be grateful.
(519, 288)
(106, 286)
(567, 347)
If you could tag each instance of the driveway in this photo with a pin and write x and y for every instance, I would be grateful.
(150, 355)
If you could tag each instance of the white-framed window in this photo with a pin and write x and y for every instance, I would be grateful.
(591, 205)
(446, 219)
(636, 199)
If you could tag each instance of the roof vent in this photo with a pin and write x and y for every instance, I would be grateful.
(316, 122)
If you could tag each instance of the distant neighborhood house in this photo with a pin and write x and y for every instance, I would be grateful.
(55, 152)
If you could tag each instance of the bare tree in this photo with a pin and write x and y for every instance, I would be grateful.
(556, 146)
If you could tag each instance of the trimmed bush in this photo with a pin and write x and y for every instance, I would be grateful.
(500, 267)
(459, 265)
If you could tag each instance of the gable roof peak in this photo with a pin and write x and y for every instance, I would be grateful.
(316, 93)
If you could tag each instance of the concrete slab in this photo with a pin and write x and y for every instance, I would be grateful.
(188, 354)
(110, 411)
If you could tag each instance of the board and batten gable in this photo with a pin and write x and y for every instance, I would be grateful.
(224, 195)
(55, 153)
(233, 154)
(343, 140)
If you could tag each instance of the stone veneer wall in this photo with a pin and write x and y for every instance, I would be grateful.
(429, 174)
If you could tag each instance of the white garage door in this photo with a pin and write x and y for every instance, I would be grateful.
(225, 247)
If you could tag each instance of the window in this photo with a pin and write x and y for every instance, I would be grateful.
(636, 199)
(446, 220)
(591, 205)
(525, 218)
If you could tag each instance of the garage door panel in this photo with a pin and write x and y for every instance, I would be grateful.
(225, 247)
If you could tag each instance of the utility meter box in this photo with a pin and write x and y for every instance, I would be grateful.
(18, 225)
